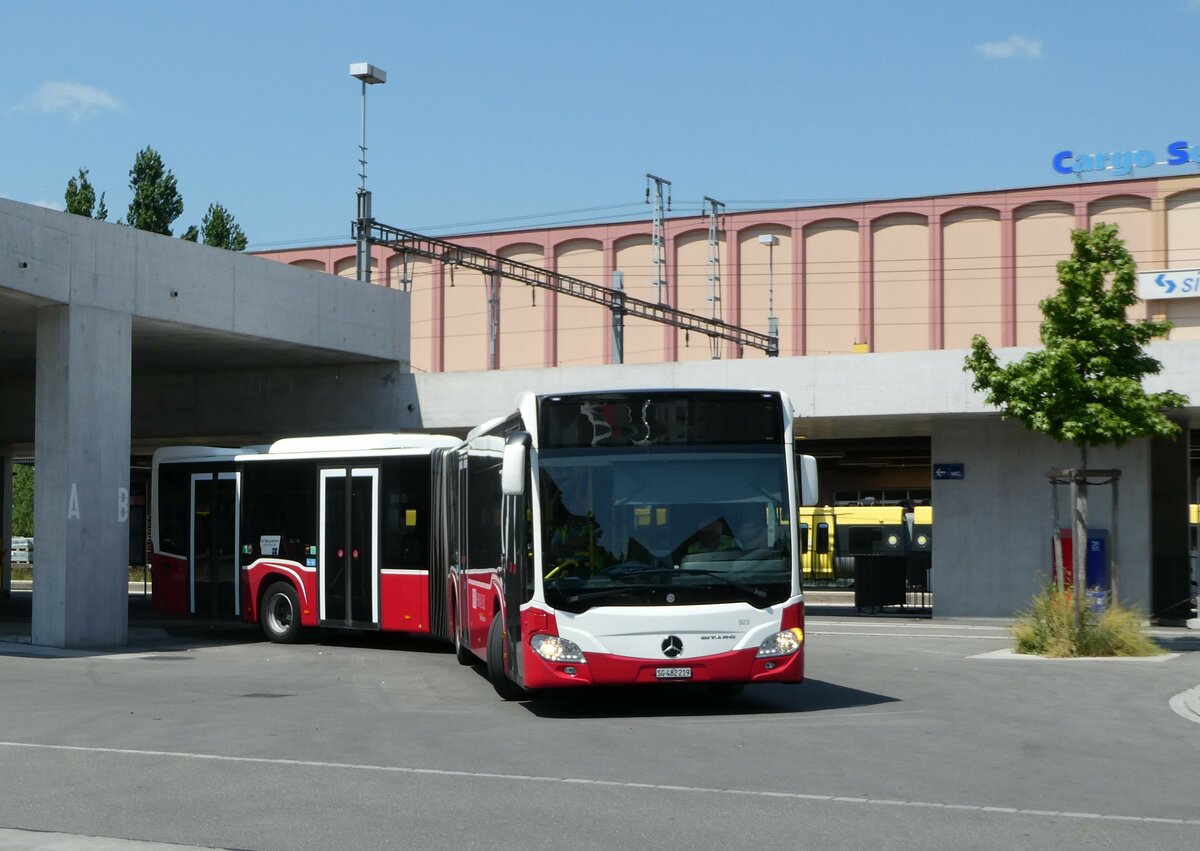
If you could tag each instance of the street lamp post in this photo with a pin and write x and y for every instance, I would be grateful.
(368, 75)
(770, 240)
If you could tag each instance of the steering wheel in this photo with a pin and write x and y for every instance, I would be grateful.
(563, 567)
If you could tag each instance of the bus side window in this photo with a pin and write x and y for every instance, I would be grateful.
(803, 538)
(822, 538)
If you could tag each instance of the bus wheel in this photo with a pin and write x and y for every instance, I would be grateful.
(506, 688)
(461, 652)
(279, 615)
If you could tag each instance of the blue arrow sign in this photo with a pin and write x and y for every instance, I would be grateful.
(1169, 283)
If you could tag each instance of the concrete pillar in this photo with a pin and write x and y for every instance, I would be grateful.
(1170, 562)
(81, 499)
(6, 474)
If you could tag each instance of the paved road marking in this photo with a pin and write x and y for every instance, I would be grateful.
(533, 778)
(24, 840)
(922, 624)
(1009, 653)
(25, 650)
(1187, 704)
(811, 631)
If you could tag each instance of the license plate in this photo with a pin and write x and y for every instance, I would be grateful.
(673, 673)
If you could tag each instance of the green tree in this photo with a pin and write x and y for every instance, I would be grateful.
(1085, 384)
(156, 200)
(81, 197)
(22, 497)
(220, 230)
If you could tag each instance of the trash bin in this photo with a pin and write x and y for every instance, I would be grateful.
(880, 581)
(1095, 563)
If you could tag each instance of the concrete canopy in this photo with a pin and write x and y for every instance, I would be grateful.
(111, 337)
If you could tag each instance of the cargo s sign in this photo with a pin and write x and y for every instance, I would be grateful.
(1122, 163)
(1170, 283)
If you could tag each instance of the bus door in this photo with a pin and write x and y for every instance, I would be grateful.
(516, 562)
(475, 616)
(348, 567)
(213, 545)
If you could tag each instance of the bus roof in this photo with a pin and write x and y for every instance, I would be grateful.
(345, 443)
(172, 454)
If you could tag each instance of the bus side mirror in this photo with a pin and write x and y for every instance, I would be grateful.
(512, 470)
(806, 471)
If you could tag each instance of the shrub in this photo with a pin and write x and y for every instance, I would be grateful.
(1048, 628)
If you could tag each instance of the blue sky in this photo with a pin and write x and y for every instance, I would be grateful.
(501, 115)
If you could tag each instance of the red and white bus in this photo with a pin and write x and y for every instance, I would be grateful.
(315, 531)
(589, 538)
(629, 537)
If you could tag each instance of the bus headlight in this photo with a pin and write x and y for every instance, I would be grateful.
(555, 648)
(782, 643)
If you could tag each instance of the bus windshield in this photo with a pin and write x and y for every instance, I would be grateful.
(665, 525)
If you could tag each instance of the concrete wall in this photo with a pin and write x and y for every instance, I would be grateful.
(262, 405)
(6, 497)
(891, 275)
(841, 395)
(841, 392)
(992, 536)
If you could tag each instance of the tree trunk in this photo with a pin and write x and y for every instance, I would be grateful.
(1079, 499)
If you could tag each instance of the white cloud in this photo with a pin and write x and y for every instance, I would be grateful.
(1014, 45)
(75, 99)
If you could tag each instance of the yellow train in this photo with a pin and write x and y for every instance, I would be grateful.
(834, 539)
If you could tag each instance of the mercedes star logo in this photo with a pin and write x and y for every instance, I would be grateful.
(672, 646)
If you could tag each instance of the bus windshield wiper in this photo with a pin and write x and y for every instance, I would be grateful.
(748, 590)
(618, 590)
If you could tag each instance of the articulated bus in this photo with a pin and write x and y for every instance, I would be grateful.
(587, 539)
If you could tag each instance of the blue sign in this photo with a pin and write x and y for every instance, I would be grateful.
(949, 471)
(1122, 163)
(1172, 283)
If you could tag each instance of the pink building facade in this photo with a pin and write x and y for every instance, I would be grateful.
(912, 274)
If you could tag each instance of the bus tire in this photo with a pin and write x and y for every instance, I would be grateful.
(279, 614)
(505, 687)
(462, 652)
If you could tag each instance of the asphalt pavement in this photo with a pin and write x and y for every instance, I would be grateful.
(908, 733)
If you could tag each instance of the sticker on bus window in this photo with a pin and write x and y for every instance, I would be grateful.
(410, 517)
(269, 544)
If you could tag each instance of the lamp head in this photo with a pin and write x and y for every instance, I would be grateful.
(369, 74)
